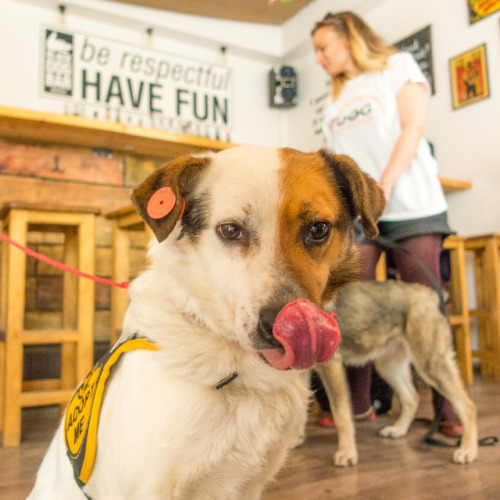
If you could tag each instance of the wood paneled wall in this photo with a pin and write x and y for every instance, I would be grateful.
(77, 176)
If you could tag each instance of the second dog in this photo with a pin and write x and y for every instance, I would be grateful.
(395, 324)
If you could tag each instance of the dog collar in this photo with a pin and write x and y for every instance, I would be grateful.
(226, 381)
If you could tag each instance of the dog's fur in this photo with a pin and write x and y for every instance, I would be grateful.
(395, 324)
(165, 431)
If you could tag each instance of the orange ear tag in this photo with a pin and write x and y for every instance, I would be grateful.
(161, 203)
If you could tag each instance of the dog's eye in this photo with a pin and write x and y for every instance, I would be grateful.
(319, 232)
(230, 231)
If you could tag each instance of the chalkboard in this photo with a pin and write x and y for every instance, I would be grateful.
(419, 45)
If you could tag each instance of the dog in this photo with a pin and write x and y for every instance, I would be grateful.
(250, 243)
(396, 325)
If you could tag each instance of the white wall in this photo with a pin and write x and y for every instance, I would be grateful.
(251, 52)
(467, 140)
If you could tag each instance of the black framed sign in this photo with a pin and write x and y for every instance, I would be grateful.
(419, 45)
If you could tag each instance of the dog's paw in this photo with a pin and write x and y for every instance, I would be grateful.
(392, 431)
(464, 456)
(345, 457)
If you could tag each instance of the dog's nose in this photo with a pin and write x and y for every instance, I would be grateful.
(267, 316)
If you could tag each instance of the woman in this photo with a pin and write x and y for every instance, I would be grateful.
(377, 116)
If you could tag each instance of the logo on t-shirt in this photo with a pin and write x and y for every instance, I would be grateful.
(355, 116)
(356, 112)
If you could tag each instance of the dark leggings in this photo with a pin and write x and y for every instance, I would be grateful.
(427, 248)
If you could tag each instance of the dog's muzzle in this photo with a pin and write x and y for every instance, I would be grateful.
(299, 335)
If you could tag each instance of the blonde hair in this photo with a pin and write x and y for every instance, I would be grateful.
(369, 51)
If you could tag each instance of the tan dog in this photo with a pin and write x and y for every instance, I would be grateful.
(205, 407)
(396, 324)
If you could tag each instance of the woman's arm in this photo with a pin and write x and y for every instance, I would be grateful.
(412, 109)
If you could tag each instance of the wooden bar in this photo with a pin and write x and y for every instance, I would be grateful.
(49, 336)
(45, 398)
(454, 185)
(23, 124)
(47, 384)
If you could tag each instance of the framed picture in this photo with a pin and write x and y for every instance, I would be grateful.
(469, 77)
(479, 9)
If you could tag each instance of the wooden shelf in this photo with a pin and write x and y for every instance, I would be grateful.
(453, 185)
(40, 126)
(45, 127)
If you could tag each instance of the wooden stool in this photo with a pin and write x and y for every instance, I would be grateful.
(487, 275)
(76, 333)
(124, 220)
(459, 314)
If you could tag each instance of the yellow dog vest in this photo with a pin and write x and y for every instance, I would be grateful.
(82, 414)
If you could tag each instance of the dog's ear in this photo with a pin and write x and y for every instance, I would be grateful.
(361, 193)
(160, 198)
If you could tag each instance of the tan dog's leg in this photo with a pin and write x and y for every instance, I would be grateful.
(394, 367)
(334, 380)
(451, 387)
(445, 378)
(435, 362)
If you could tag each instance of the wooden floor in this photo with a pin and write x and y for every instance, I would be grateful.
(405, 469)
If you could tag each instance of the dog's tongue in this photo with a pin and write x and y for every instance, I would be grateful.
(307, 334)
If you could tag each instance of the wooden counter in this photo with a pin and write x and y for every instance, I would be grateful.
(131, 145)
(454, 185)
(28, 125)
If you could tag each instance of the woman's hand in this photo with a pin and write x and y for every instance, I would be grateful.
(386, 188)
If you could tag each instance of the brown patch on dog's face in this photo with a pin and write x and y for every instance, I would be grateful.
(359, 192)
(316, 219)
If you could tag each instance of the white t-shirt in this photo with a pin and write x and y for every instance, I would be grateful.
(363, 123)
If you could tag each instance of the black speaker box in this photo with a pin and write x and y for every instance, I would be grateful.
(282, 87)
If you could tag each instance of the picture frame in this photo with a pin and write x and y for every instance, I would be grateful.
(479, 9)
(469, 77)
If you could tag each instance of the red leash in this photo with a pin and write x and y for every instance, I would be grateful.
(64, 267)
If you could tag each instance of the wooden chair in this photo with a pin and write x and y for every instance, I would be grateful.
(486, 251)
(76, 333)
(125, 221)
(459, 313)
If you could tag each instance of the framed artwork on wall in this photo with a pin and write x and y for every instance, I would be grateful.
(479, 9)
(469, 77)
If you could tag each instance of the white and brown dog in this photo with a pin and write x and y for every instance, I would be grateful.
(203, 406)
